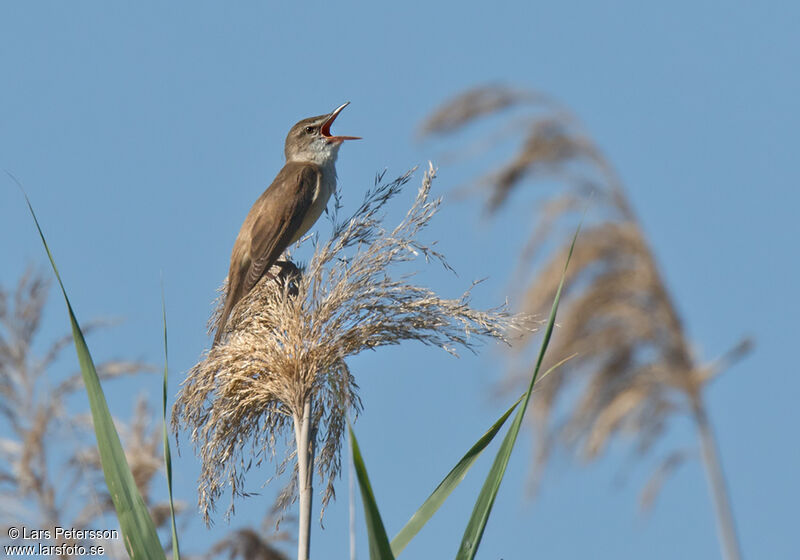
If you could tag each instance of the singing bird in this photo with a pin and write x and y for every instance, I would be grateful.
(287, 209)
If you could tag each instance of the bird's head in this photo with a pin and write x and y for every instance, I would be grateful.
(311, 139)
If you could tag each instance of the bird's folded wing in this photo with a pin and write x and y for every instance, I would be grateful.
(282, 209)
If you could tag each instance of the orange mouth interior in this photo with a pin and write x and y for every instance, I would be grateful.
(326, 130)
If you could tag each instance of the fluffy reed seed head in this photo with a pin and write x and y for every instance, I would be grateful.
(633, 367)
(287, 342)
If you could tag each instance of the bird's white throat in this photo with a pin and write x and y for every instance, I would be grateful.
(319, 151)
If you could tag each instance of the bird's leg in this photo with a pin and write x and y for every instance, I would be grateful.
(289, 274)
(288, 268)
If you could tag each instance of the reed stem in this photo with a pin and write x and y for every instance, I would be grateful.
(305, 477)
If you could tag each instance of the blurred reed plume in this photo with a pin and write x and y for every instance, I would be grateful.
(247, 544)
(634, 368)
(142, 439)
(283, 362)
(250, 543)
(46, 480)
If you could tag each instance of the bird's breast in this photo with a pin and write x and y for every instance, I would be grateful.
(326, 185)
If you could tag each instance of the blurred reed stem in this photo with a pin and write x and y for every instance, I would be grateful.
(726, 528)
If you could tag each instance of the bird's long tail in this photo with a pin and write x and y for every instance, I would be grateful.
(223, 319)
(288, 271)
(231, 298)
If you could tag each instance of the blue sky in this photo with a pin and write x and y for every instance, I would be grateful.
(143, 134)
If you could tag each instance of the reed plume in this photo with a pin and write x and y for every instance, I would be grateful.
(282, 371)
(633, 368)
(46, 479)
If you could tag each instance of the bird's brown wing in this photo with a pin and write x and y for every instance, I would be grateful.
(285, 204)
(267, 231)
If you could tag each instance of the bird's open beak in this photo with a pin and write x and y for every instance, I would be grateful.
(326, 127)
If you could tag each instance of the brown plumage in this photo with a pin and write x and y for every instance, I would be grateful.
(272, 224)
(287, 209)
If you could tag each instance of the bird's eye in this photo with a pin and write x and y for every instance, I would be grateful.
(309, 130)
